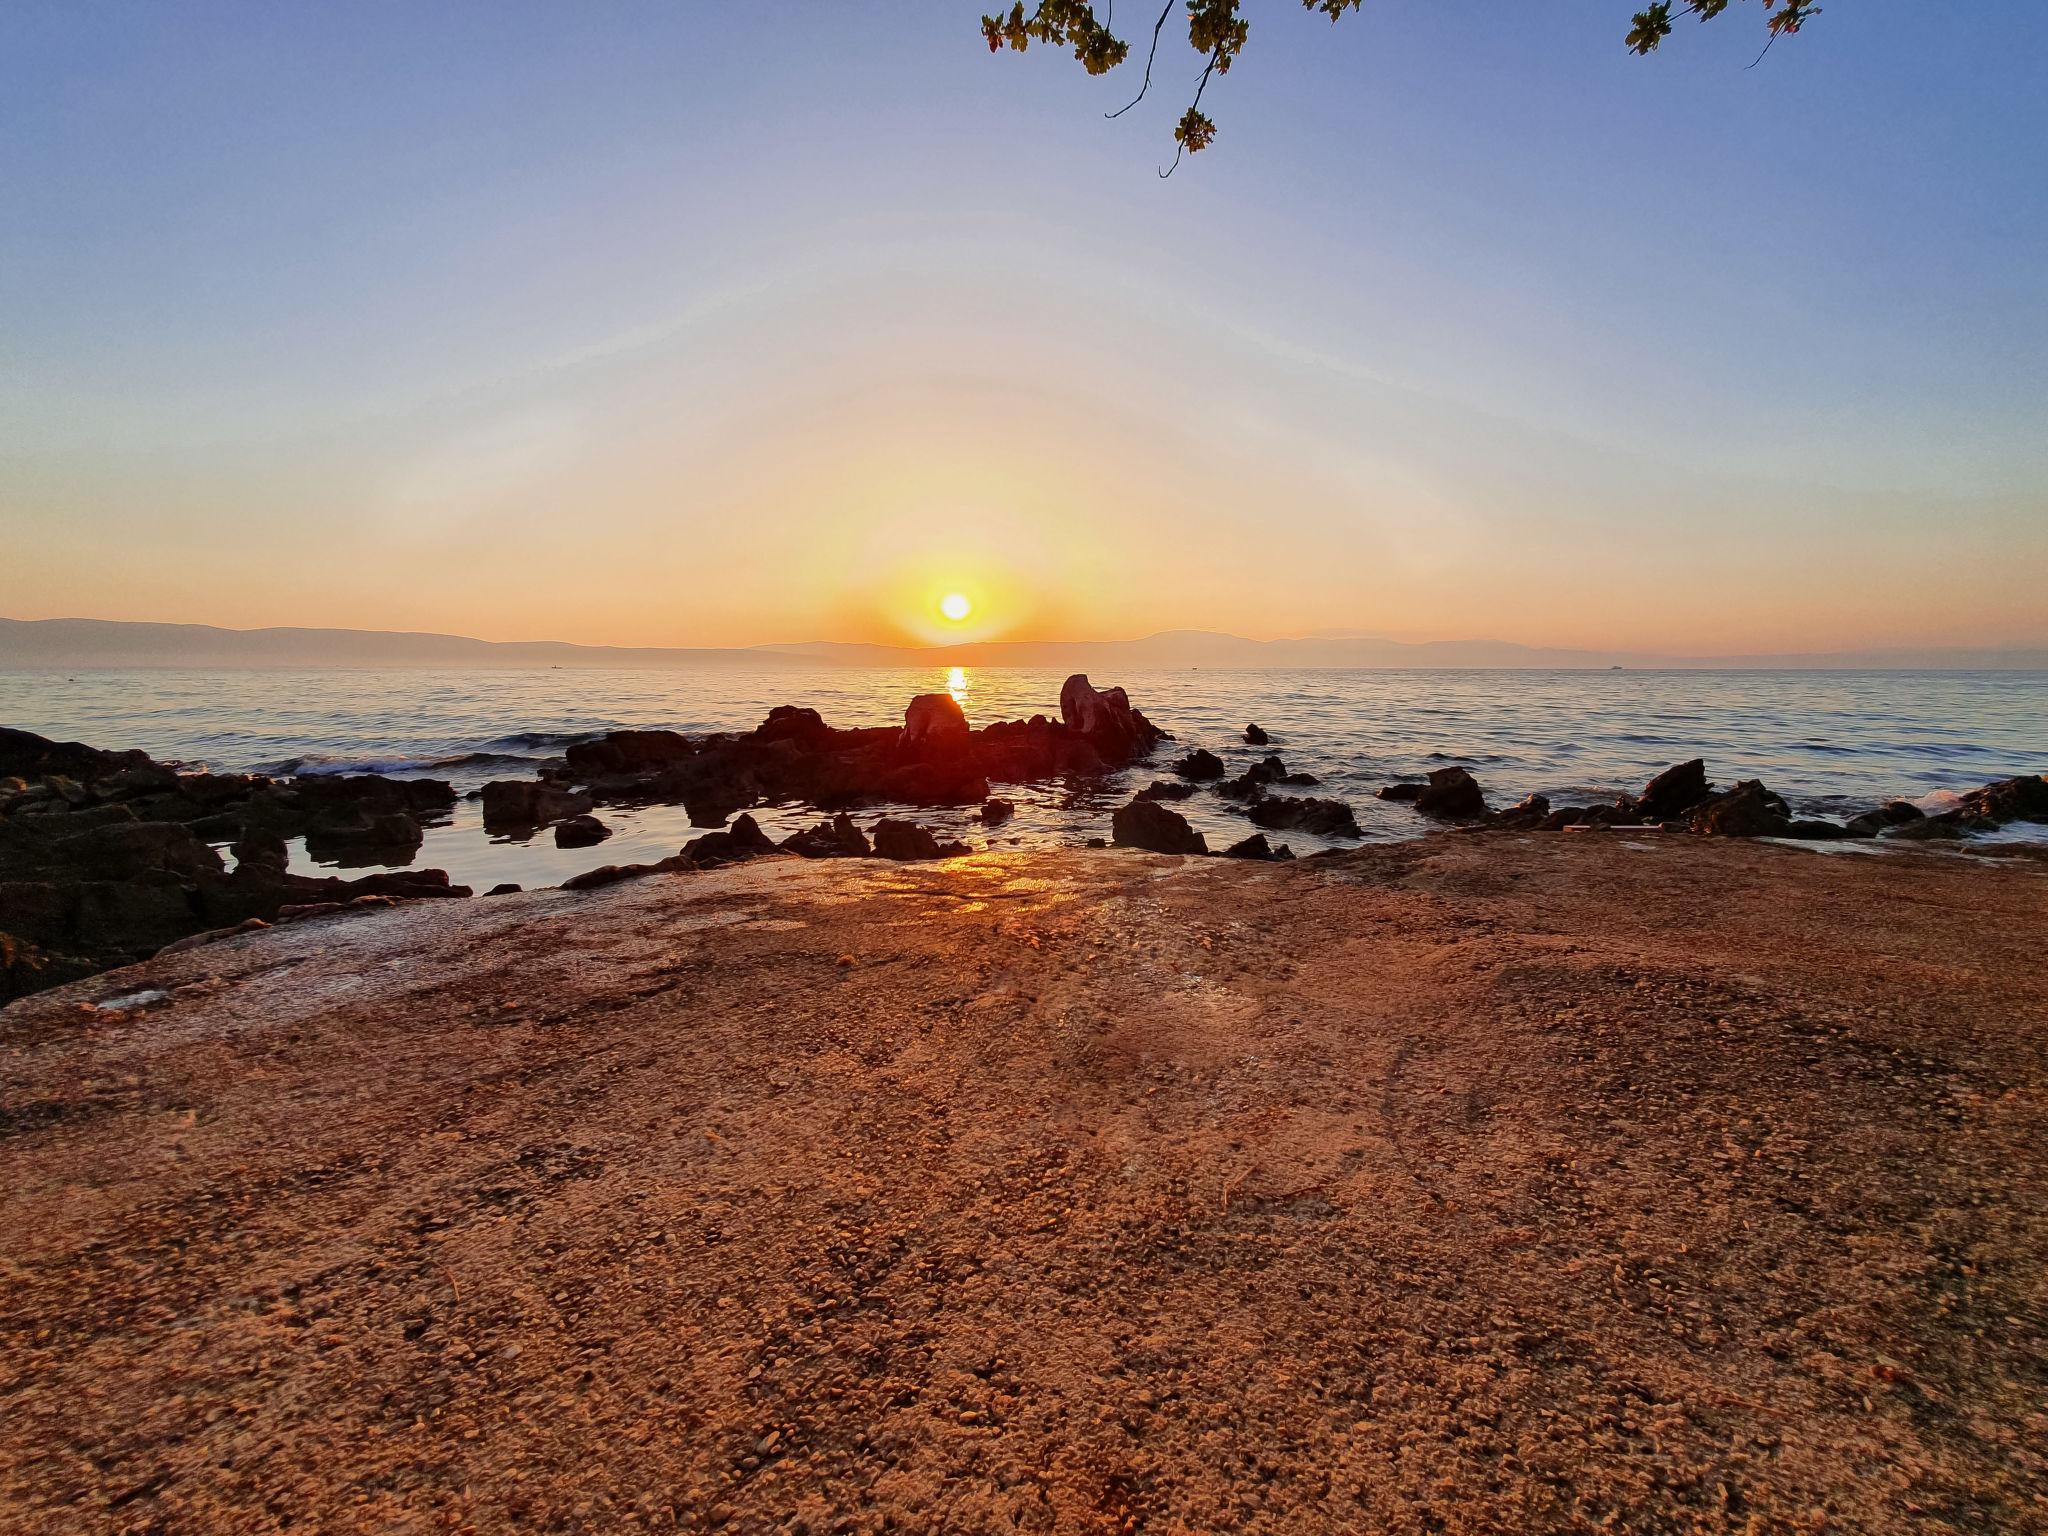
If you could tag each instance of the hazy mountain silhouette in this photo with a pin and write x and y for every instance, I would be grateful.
(58, 643)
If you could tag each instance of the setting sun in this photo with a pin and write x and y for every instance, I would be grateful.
(954, 605)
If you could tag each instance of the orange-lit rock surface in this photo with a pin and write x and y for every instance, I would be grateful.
(1471, 1184)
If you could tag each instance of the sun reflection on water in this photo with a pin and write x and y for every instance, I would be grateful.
(956, 684)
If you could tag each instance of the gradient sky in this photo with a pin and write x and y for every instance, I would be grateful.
(723, 324)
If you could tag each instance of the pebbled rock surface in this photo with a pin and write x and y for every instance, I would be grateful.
(1549, 1185)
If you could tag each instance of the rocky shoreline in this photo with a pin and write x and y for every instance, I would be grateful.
(107, 857)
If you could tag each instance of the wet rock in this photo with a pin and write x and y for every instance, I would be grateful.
(1199, 765)
(838, 838)
(1814, 830)
(744, 839)
(1253, 782)
(1256, 847)
(1103, 717)
(1148, 824)
(129, 850)
(1564, 816)
(1404, 792)
(1929, 829)
(1893, 813)
(1530, 814)
(1453, 795)
(1304, 813)
(794, 723)
(584, 831)
(519, 804)
(2021, 799)
(1254, 737)
(627, 752)
(908, 840)
(1165, 789)
(355, 839)
(1674, 791)
(935, 729)
(1747, 810)
(261, 849)
(994, 812)
(612, 874)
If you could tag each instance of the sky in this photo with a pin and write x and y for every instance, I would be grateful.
(708, 324)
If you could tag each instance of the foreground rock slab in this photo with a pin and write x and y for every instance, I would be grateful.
(1504, 1184)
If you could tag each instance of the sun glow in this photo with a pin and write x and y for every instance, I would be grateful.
(954, 605)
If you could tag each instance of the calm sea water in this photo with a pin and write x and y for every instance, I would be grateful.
(1832, 742)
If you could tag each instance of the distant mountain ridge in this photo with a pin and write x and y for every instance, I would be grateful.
(58, 643)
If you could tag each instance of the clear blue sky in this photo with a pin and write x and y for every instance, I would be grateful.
(735, 323)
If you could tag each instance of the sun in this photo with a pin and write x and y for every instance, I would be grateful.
(954, 605)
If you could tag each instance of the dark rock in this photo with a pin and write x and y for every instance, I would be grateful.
(2022, 799)
(1893, 813)
(995, 812)
(1565, 816)
(584, 831)
(838, 838)
(1256, 847)
(1165, 789)
(1254, 737)
(1530, 814)
(522, 804)
(791, 722)
(627, 752)
(1096, 842)
(935, 729)
(744, 839)
(25, 755)
(612, 874)
(1103, 717)
(1747, 810)
(1254, 780)
(131, 849)
(1199, 765)
(1150, 825)
(260, 849)
(1929, 829)
(1402, 792)
(1813, 830)
(1674, 791)
(907, 840)
(356, 839)
(506, 888)
(1305, 813)
(1452, 794)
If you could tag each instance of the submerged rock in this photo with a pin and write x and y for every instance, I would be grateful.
(838, 838)
(522, 804)
(1149, 825)
(1199, 765)
(1254, 737)
(1404, 792)
(1165, 789)
(581, 832)
(1305, 813)
(996, 811)
(744, 839)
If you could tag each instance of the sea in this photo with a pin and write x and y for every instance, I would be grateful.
(1833, 743)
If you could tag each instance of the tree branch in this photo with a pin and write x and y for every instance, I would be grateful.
(1149, 53)
(1200, 86)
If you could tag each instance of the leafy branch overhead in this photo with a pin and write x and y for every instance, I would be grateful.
(1217, 32)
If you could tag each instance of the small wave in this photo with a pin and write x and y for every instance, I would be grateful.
(315, 765)
(532, 739)
(487, 759)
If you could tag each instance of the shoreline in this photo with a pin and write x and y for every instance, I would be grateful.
(1508, 1182)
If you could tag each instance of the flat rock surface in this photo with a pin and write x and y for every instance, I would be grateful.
(1494, 1183)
